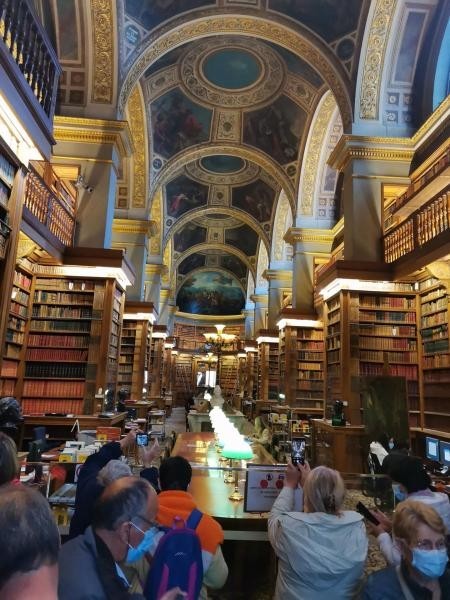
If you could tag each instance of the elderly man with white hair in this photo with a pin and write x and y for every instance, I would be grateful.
(101, 469)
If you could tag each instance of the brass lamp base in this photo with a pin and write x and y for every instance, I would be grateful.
(236, 495)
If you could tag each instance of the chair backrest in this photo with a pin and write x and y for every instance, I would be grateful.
(39, 433)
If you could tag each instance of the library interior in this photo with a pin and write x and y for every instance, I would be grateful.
(225, 225)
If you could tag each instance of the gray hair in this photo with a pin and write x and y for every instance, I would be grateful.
(113, 470)
(122, 501)
(324, 491)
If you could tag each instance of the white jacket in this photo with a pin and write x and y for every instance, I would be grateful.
(321, 556)
(436, 500)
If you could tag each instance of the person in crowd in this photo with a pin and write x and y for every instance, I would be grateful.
(261, 433)
(9, 465)
(175, 475)
(421, 575)
(410, 481)
(322, 550)
(123, 529)
(102, 468)
(29, 545)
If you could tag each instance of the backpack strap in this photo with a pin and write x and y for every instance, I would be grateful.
(194, 519)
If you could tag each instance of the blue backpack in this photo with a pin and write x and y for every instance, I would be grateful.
(177, 561)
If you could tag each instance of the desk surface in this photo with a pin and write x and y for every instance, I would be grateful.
(85, 421)
(207, 485)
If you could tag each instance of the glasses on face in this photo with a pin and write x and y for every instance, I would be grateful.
(429, 545)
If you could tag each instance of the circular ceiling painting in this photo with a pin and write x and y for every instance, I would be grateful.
(221, 163)
(231, 69)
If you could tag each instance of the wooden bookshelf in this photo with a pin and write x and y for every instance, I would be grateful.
(371, 334)
(135, 340)
(268, 365)
(7, 174)
(302, 365)
(229, 376)
(13, 353)
(157, 359)
(434, 340)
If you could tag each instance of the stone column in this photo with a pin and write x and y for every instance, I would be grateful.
(133, 236)
(249, 324)
(152, 286)
(307, 244)
(261, 305)
(96, 147)
(167, 309)
(367, 163)
(280, 283)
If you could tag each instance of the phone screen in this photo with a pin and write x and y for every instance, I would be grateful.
(142, 439)
(298, 451)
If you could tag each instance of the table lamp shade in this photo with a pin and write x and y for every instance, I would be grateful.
(237, 451)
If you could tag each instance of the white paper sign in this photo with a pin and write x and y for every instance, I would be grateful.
(262, 486)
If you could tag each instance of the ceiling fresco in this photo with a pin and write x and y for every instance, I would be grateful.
(151, 13)
(211, 292)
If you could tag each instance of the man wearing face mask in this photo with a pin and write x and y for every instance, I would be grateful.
(421, 575)
(123, 529)
(412, 482)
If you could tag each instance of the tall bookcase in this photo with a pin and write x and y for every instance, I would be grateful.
(7, 173)
(268, 367)
(134, 360)
(13, 353)
(159, 336)
(302, 365)
(371, 334)
(434, 339)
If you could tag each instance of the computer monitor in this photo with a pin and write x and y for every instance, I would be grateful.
(445, 453)
(432, 448)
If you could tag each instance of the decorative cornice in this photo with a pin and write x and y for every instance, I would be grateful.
(298, 234)
(263, 28)
(103, 51)
(261, 299)
(435, 120)
(138, 125)
(374, 58)
(355, 147)
(278, 275)
(155, 269)
(94, 131)
(311, 164)
(135, 226)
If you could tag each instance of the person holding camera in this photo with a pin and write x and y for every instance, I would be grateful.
(322, 549)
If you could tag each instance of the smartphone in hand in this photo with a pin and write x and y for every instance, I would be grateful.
(298, 451)
(365, 512)
(142, 439)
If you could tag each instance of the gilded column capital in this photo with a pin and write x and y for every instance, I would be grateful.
(300, 235)
(155, 269)
(260, 299)
(135, 226)
(360, 147)
(280, 275)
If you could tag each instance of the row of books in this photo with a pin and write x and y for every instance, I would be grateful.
(9, 368)
(56, 354)
(434, 305)
(380, 315)
(440, 292)
(312, 374)
(386, 343)
(22, 280)
(436, 376)
(4, 197)
(18, 309)
(66, 341)
(7, 170)
(407, 371)
(7, 387)
(41, 406)
(19, 295)
(436, 346)
(387, 330)
(310, 385)
(58, 312)
(58, 283)
(391, 357)
(309, 334)
(60, 370)
(12, 351)
(61, 298)
(309, 355)
(54, 389)
(14, 336)
(304, 345)
(81, 326)
(386, 302)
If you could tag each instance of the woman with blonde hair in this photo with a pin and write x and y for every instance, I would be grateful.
(420, 535)
(321, 550)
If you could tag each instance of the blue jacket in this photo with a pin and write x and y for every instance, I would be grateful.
(89, 490)
(384, 585)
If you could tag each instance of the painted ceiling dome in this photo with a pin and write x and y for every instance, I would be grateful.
(220, 163)
(232, 68)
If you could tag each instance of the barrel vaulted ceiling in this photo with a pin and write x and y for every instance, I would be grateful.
(234, 106)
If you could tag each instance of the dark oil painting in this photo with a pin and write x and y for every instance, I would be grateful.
(183, 194)
(234, 264)
(151, 13)
(188, 236)
(244, 238)
(256, 198)
(191, 262)
(211, 293)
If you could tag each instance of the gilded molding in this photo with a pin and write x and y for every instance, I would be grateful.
(135, 226)
(153, 270)
(278, 275)
(300, 91)
(94, 131)
(354, 147)
(434, 120)
(311, 164)
(262, 266)
(137, 126)
(279, 227)
(248, 173)
(103, 50)
(156, 216)
(265, 29)
(374, 58)
(225, 248)
(298, 234)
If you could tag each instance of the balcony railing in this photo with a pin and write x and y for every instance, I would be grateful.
(423, 226)
(53, 212)
(30, 48)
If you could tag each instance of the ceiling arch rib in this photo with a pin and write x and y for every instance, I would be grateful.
(293, 37)
(224, 248)
(206, 269)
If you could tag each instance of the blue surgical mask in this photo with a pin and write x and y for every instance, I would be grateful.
(430, 563)
(391, 445)
(134, 554)
(399, 494)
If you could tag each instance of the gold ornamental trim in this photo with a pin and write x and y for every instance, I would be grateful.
(374, 58)
(138, 126)
(153, 270)
(297, 234)
(442, 112)
(278, 275)
(134, 226)
(259, 27)
(103, 50)
(353, 147)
